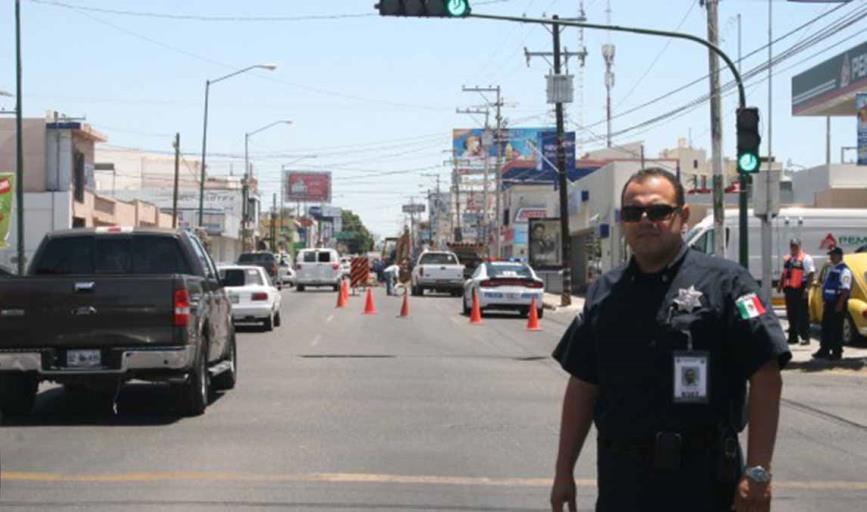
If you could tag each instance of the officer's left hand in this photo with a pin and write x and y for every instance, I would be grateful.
(752, 496)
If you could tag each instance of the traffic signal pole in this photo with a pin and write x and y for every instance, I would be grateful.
(742, 97)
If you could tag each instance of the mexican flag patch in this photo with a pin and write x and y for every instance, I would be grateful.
(749, 306)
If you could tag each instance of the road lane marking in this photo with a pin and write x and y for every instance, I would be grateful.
(330, 318)
(316, 340)
(361, 478)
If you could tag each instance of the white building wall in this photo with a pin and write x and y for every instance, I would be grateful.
(43, 212)
(807, 183)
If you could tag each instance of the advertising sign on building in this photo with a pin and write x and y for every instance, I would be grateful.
(861, 108)
(544, 241)
(523, 215)
(312, 187)
(515, 145)
(7, 192)
(549, 149)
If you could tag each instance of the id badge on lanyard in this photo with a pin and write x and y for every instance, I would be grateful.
(691, 375)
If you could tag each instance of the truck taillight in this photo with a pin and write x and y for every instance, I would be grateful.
(182, 307)
(335, 266)
(259, 296)
(274, 269)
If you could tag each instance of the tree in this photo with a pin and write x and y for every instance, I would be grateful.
(360, 240)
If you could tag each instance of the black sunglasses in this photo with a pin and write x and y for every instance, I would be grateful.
(655, 212)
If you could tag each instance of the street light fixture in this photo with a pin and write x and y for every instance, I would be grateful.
(245, 213)
(269, 67)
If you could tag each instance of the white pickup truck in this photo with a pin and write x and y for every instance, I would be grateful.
(440, 271)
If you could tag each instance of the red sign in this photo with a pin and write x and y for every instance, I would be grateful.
(5, 186)
(311, 187)
(828, 243)
(525, 214)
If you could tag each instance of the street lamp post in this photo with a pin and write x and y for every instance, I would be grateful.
(269, 67)
(248, 176)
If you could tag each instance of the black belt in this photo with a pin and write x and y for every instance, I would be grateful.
(690, 442)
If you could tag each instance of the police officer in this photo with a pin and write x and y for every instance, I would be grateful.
(798, 270)
(659, 361)
(835, 296)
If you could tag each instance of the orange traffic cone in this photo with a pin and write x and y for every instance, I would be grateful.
(476, 314)
(533, 322)
(404, 309)
(341, 297)
(369, 308)
(344, 290)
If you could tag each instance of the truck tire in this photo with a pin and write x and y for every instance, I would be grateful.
(300, 287)
(193, 394)
(17, 393)
(226, 380)
(416, 291)
(541, 312)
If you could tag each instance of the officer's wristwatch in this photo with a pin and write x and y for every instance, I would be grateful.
(758, 474)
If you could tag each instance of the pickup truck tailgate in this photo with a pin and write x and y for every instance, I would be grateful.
(433, 272)
(86, 311)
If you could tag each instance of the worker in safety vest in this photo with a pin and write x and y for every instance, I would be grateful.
(798, 270)
(835, 297)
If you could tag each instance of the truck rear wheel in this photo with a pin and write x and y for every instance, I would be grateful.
(228, 378)
(193, 394)
(17, 393)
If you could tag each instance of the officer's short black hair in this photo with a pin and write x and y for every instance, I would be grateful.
(657, 172)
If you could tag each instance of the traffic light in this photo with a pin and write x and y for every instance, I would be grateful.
(748, 140)
(425, 8)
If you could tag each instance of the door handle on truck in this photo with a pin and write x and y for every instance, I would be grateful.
(84, 286)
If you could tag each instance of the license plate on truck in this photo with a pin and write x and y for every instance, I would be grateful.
(83, 358)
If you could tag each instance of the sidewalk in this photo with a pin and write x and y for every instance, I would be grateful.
(552, 301)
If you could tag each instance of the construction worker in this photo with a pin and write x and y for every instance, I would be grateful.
(835, 297)
(798, 270)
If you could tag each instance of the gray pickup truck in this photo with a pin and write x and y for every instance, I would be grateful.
(103, 306)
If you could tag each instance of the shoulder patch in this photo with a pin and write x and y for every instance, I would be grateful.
(750, 306)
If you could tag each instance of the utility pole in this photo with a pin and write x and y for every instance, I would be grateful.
(19, 142)
(177, 145)
(716, 129)
(566, 295)
(273, 224)
(766, 218)
(487, 140)
(498, 168)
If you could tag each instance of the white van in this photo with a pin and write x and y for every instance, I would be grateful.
(818, 229)
(317, 267)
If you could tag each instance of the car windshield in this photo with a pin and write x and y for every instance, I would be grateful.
(241, 277)
(438, 259)
(139, 254)
(509, 271)
(256, 258)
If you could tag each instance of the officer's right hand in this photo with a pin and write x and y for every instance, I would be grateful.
(562, 492)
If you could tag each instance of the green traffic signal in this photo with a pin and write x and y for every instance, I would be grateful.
(457, 8)
(748, 162)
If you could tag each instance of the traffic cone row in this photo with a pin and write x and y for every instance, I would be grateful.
(369, 307)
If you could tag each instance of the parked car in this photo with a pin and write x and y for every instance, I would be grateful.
(438, 270)
(504, 286)
(264, 259)
(253, 296)
(285, 272)
(103, 306)
(317, 267)
(855, 321)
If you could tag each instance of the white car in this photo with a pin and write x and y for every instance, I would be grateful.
(317, 267)
(253, 296)
(504, 285)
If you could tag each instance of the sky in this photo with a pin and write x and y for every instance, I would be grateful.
(373, 99)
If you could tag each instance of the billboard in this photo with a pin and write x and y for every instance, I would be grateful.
(861, 109)
(544, 241)
(829, 88)
(311, 187)
(413, 208)
(516, 145)
(7, 192)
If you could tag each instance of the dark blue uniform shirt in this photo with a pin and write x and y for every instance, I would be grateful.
(624, 340)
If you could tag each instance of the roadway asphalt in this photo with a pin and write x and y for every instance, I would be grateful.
(340, 411)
